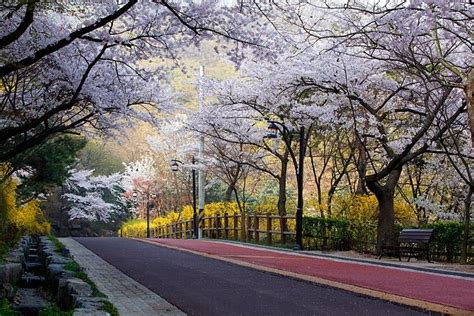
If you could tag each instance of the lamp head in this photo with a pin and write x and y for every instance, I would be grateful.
(272, 130)
(174, 165)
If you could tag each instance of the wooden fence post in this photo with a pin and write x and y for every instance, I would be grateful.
(249, 227)
(209, 227)
(235, 224)
(243, 226)
(226, 225)
(282, 229)
(269, 228)
(216, 224)
(256, 227)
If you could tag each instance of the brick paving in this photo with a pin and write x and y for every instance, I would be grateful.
(127, 295)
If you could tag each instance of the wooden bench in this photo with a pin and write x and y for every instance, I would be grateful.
(411, 243)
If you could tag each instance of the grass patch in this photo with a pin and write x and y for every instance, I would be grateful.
(4, 249)
(59, 245)
(53, 310)
(6, 246)
(110, 308)
(6, 309)
(80, 274)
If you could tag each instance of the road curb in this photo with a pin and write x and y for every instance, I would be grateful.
(397, 299)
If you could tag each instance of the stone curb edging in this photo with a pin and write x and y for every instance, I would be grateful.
(129, 296)
(69, 291)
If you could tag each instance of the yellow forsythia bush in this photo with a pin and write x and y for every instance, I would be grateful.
(30, 218)
(26, 218)
(230, 208)
(266, 208)
(364, 208)
(137, 227)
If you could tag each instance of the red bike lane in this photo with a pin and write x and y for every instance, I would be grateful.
(440, 289)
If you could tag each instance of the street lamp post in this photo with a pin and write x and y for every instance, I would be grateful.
(134, 203)
(175, 167)
(273, 133)
(148, 218)
(149, 203)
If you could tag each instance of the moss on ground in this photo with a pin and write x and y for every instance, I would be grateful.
(6, 308)
(54, 310)
(80, 274)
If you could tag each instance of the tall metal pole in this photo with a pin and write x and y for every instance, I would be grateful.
(299, 209)
(195, 217)
(148, 216)
(201, 174)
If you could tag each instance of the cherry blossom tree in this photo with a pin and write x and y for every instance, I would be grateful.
(139, 184)
(83, 69)
(90, 195)
(399, 71)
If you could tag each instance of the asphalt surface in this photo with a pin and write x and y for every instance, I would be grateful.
(205, 286)
(427, 287)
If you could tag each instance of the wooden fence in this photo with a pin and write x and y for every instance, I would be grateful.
(255, 227)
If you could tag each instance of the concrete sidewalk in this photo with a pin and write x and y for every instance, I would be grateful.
(428, 290)
(128, 296)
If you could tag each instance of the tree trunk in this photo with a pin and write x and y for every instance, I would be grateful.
(282, 195)
(467, 222)
(470, 102)
(282, 186)
(228, 193)
(386, 218)
(243, 217)
(361, 165)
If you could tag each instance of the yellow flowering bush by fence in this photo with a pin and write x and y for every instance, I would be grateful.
(364, 208)
(18, 218)
(137, 227)
(355, 208)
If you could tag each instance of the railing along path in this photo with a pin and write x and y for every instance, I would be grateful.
(256, 227)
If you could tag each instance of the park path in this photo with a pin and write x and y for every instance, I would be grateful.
(128, 296)
(427, 290)
(199, 285)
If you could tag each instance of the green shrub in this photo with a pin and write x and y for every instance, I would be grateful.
(447, 239)
(327, 233)
(6, 309)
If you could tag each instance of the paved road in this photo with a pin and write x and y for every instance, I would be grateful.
(450, 294)
(205, 286)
